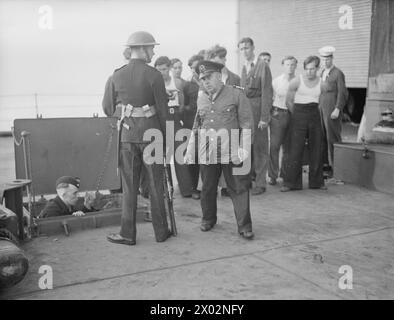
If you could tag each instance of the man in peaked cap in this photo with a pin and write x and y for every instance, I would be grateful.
(139, 91)
(219, 54)
(333, 99)
(66, 200)
(222, 109)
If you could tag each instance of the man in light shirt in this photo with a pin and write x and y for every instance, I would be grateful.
(177, 68)
(174, 88)
(280, 119)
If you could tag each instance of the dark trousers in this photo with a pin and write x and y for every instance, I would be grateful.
(331, 134)
(131, 162)
(194, 172)
(194, 169)
(260, 157)
(260, 147)
(305, 123)
(237, 186)
(144, 183)
(279, 126)
(188, 118)
(182, 171)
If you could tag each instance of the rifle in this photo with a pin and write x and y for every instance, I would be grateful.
(121, 111)
(169, 197)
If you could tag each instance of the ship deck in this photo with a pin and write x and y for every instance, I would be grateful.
(302, 239)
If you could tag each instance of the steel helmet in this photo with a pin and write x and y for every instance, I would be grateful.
(141, 38)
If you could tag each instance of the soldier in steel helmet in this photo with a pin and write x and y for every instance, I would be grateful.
(140, 92)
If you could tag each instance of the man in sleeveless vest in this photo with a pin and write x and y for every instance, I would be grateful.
(138, 91)
(303, 102)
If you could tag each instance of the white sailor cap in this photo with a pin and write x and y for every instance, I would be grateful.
(326, 51)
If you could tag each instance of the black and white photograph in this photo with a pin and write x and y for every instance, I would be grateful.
(196, 155)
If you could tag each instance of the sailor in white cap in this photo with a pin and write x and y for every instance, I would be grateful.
(326, 51)
(333, 99)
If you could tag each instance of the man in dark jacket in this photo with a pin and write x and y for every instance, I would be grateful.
(333, 99)
(66, 201)
(256, 78)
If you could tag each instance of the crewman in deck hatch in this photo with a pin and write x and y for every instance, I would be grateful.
(66, 202)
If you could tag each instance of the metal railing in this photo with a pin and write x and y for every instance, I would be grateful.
(37, 105)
